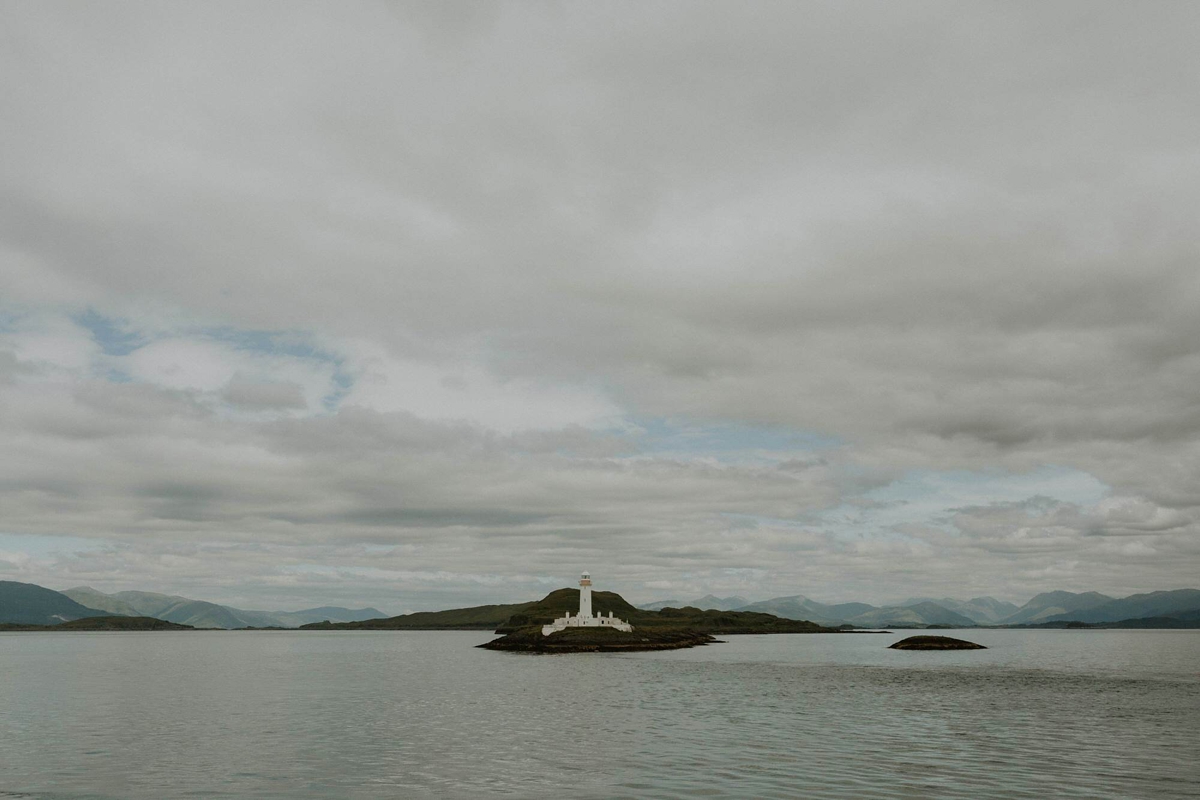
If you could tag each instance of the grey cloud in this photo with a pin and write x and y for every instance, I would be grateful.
(250, 394)
(946, 237)
(11, 367)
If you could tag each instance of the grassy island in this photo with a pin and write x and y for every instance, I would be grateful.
(104, 624)
(560, 601)
(666, 629)
(521, 625)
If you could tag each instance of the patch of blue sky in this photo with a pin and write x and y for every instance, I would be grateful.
(43, 546)
(726, 441)
(116, 338)
(114, 375)
(955, 489)
(343, 382)
(112, 334)
(311, 569)
(293, 344)
(928, 498)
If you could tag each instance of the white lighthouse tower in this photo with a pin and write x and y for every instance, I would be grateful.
(585, 618)
(585, 596)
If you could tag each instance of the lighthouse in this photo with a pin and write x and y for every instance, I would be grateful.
(585, 596)
(585, 618)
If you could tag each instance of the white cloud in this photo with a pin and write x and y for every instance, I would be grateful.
(51, 341)
(465, 391)
(218, 368)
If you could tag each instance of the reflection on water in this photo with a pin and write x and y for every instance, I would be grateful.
(1095, 714)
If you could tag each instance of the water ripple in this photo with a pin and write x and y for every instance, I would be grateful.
(381, 715)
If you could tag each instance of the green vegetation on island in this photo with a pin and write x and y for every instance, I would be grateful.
(935, 643)
(665, 629)
(559, 602)
(528, 618)
(477, 618)
(103, 624)
(597, 640)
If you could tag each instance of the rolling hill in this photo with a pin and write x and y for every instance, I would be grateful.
(30, 604)
(87, 596)
(116, 623)
(707, 603)
(1050, 604)
(982, 610)
(658, 605)
(918, 614)
(509, 619)
(800, 607)
(1137, 606)
(712, 603)
(477, 618)
(201, 614)
(710, 621)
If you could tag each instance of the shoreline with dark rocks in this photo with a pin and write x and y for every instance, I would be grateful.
(597, 640)
(935, 643)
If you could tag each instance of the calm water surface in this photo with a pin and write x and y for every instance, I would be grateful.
(1087, 714)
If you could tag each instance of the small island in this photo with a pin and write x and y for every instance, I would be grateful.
(597, 640)
(606, 623)
(935, 643)
(103, 624)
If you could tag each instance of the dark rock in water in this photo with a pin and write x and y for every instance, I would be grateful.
(596, 640)
(935, 643)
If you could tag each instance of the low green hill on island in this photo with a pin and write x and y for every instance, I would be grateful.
(103, 624)
(560, 601)
(476, 618)
(665, 629)
(521, 623)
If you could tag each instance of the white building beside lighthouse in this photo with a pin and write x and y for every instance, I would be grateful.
(585, 618)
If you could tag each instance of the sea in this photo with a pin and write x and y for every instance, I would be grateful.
(340, 714)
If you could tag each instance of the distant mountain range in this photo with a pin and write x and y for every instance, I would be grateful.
(1181, 605)
(707, 603)
(983, 610)
(29, 604)
(800, 607)
(201, 614)
(1051, 604)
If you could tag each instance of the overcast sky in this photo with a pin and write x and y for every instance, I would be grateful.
(424, 305)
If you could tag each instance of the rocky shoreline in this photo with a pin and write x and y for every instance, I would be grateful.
(597, 640)
(935, 643)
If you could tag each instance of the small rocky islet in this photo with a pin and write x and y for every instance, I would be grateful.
(520, 625)
(597, 640)
(666, 629)
(935, 643)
